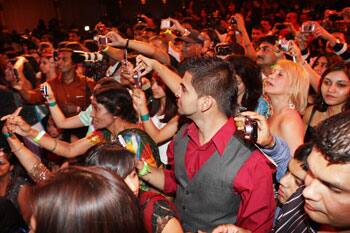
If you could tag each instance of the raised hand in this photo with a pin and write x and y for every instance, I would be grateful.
(139, 100)
(265, 138)
(15, 123)
(144, 65)
(114, 39)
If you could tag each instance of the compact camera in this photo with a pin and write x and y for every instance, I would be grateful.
(310, 27)
(249, 128)
(165, 24)
(283, 45)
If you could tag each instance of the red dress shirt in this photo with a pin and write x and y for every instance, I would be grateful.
(253, 181)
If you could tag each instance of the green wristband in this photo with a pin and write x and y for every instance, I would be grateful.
(145, 117)
(8, 135)
(52, 104)
(145, 170)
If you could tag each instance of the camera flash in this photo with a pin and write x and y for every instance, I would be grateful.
(87, 28)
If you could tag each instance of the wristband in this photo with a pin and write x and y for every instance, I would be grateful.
(52, 104)
(39, 136)
(127, 44)
(7, 135)
(145, 170)
(144, 117)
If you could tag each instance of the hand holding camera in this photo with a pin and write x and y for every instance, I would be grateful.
(144, 65)
(254, 126)
(114, 39)
(47, 92)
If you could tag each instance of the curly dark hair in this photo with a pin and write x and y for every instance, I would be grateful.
(332, 138)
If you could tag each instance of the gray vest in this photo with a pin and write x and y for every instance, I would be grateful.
(208, 199)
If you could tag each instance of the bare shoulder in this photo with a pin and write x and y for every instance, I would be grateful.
(291, 118)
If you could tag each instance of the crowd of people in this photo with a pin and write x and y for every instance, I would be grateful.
(221, 121)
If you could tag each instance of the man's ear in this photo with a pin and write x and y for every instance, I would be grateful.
(205, 103)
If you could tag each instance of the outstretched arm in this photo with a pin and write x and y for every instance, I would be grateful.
(158, 135)
(17, 125)
(139, 46)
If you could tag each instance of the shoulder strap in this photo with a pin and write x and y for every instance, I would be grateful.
(311, 115)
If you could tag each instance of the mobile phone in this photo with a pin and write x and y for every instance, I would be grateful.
(44, 91)
(165, 24)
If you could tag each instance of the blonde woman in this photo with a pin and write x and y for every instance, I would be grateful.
(287, 88)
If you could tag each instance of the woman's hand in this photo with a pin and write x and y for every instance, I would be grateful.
(139, 101)
(144, 65)
(115, 39)
(15, 124)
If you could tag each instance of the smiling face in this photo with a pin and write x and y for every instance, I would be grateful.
(101, 118)
(335, 88)
(327, 191)
(291, 181)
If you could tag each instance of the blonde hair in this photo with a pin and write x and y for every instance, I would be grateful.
(299, 83)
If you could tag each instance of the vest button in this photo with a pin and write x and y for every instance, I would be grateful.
(184, 207)
(187, 192)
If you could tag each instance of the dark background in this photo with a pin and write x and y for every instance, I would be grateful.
(21, 14)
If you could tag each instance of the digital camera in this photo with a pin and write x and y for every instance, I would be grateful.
(250, 129)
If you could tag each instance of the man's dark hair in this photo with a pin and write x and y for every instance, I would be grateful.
(213, 77)
(268, 39)
(332, 138)
(302, 153)
(117, 100)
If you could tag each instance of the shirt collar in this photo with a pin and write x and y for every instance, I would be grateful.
(220, 139)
